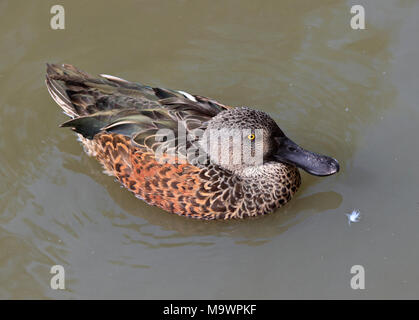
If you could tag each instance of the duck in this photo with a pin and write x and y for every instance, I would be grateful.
(187, 154)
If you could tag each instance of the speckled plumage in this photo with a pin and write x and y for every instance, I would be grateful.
(117, 121)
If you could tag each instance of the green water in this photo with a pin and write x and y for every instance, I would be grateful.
(350, 94)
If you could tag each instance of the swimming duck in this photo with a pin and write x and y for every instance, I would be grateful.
(134, 130)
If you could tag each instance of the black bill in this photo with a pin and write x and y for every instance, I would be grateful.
(315, 164)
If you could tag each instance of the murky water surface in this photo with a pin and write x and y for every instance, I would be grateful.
(350, 94)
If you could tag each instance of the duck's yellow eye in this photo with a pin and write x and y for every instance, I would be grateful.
(251, 136)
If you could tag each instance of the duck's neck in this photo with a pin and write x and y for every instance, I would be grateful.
(268, 187)
(271, 170)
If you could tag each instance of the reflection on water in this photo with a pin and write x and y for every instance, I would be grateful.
(327, 86)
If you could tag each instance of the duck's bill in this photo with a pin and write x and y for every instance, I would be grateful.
(315, 164)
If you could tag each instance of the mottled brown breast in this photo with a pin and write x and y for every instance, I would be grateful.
(181, 188)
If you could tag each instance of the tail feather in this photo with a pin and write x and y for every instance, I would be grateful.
(58, 93)
(80, 94)
(66, 71)
(58, 90)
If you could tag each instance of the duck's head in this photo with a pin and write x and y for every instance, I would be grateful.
(259, 138)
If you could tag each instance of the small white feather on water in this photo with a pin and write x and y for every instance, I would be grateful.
(354, 216)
